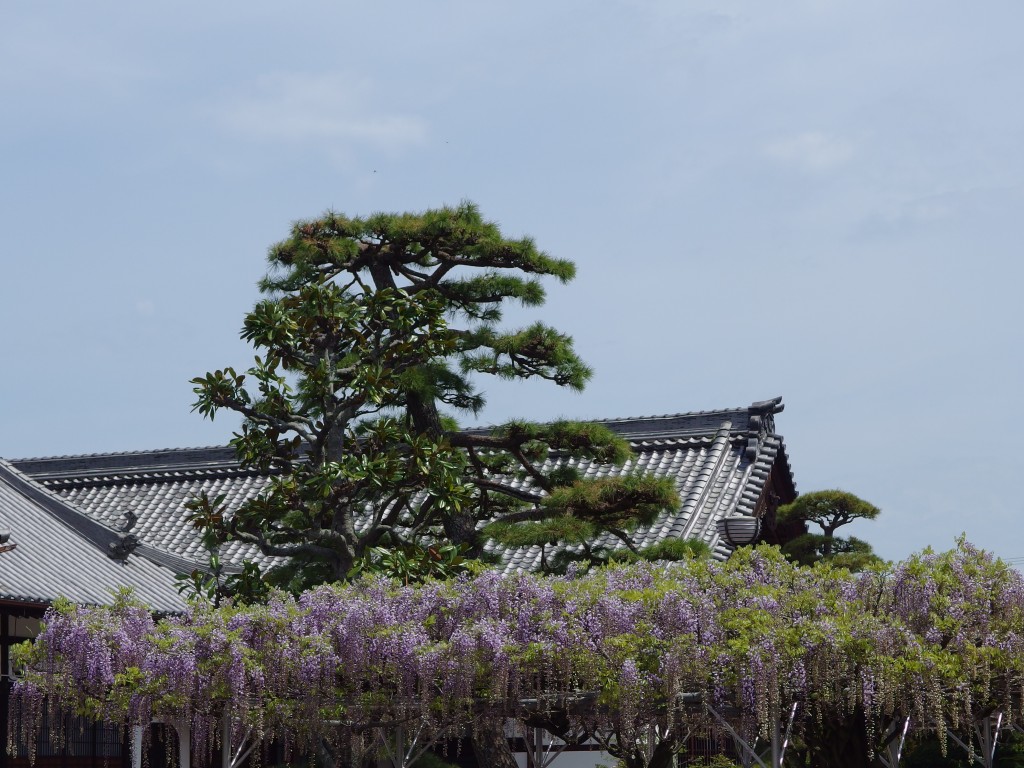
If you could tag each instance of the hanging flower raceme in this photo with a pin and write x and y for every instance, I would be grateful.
(627, 651)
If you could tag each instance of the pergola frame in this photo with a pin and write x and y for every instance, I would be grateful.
(542, 751)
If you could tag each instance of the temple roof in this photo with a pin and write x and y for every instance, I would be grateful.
(720, 462)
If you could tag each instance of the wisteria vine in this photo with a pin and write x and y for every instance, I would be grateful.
(619, 650)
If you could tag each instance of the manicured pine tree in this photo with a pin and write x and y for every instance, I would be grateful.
(828, 510)
(372, 336)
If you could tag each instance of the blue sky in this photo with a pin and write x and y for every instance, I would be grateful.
(819, 200)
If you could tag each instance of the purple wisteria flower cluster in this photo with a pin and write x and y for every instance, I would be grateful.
(619, 653)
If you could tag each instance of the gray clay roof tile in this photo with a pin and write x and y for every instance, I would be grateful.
(62, 552)
(720, 462)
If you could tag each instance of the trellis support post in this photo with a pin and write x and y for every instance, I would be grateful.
(136, 746)
(987, 733)
(747, 753)
(184, 743)
(225, 739)
(894, 747)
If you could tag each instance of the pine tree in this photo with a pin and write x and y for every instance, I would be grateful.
(829, 510)
(372, 335)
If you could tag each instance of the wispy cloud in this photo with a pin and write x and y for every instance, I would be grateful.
(811, 152)
(333, 111)
(925, 212)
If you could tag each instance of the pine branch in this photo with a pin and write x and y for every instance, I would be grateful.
(507, 490)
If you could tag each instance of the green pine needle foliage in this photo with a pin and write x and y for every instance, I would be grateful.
(677, 549)
(563, 529)
(826, 507)
(668, 549)
(619, 502)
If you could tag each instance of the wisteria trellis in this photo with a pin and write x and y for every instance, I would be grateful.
(620, 653)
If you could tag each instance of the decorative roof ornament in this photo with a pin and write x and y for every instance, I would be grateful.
(739, 530)
(5, 537)
(124, 546)
(761, 423)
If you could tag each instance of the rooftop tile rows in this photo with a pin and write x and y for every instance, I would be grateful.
(158, 502)
(61, 551)
(718, 460)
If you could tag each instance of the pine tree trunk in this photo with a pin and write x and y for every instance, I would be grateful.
(460, 528)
